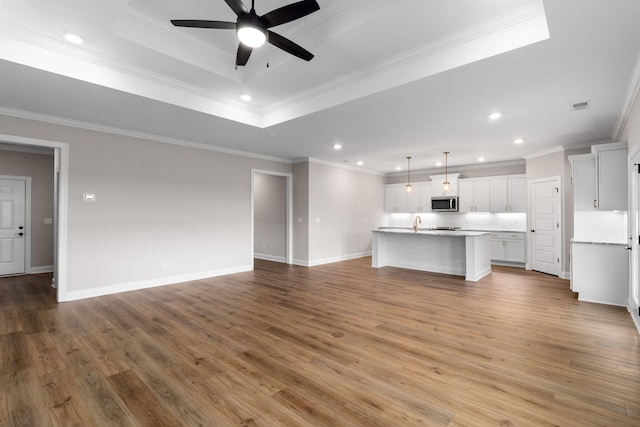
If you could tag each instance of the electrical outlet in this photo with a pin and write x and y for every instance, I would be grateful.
(165, 265)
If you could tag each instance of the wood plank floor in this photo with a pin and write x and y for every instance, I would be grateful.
(335, 345)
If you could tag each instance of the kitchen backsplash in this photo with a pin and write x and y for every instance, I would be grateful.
(468, 221)
(600, 226)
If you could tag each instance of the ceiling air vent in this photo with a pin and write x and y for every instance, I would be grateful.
(580, 105)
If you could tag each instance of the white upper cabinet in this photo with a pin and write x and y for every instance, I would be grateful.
(584, 182)
(518, 194)
(486, 194)
(395, 198)
(611, 169)
(474, 195)
(600, 178)
(422, 197)
(509, 194)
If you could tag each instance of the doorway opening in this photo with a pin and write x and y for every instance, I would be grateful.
(60, 203)
(271, 216)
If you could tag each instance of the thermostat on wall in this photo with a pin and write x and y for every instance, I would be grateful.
(89, 197)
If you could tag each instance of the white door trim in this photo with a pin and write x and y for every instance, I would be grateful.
(289, 220)
(633, 217)
(531, 182)
(61, 158)
(27, 217)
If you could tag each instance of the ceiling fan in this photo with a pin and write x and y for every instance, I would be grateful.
(253, 30)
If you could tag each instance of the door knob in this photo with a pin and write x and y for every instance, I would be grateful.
(533, 231)
(19, 234)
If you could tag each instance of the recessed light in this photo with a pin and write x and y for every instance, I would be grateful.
(398, 168)
(481, 159)
(518, 141)
(360, 163)
(495, 116)
(337, 146)
(246, 97)
(438, 164)
(73, 38)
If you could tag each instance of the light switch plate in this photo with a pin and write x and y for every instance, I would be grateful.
(48, 221)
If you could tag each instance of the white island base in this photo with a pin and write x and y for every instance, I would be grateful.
(461, 253)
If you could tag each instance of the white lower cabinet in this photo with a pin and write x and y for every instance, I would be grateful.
(600, 272)
(508, 247)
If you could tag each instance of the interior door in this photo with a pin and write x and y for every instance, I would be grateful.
(545, 233)
(12, 226)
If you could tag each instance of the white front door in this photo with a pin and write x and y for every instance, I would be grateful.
(12, 226)
(546, 242)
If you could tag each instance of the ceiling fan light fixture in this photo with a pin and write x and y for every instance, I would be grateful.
(251, 36)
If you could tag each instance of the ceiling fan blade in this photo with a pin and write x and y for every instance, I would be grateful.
(289, 13)
(288, 46)
(237, 6)
(243, 54)
(195, 23)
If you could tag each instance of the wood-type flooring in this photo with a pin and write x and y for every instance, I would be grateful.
(336, 345)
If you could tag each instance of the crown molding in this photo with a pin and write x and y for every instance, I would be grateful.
(632, 95)
(133, 134)
(503, 33)
(336, 165)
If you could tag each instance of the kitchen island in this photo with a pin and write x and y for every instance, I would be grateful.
(457, 252)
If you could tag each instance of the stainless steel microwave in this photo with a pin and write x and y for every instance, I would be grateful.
(444, 204)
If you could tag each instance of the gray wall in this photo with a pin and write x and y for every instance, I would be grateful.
(40, 168)
(345, 205)
(156, 203)
(270, 217)
(301, 213)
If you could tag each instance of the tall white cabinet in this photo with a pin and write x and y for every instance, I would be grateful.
(599, 262)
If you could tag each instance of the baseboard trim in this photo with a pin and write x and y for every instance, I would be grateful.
(152, 283)
(41, 269)
(267, 257)
(508, 264)
(322, 261)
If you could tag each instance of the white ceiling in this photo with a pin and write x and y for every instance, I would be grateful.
(390, 79)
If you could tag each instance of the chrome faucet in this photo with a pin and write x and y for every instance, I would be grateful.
(415, 223)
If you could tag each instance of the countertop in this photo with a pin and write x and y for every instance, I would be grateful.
(458, 229)
(424, 231)
(584, 242)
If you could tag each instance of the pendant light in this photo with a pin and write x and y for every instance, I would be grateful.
(446, 186)
(409, 186)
